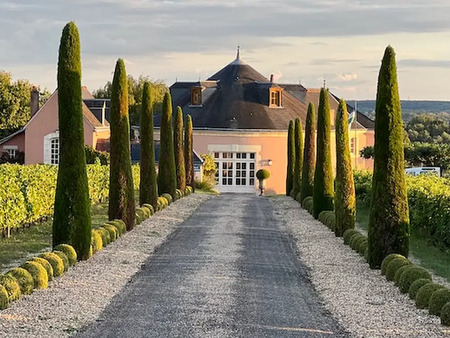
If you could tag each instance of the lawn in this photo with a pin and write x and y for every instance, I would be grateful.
(431, 257)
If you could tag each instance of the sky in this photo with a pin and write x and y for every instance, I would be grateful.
(299, 41)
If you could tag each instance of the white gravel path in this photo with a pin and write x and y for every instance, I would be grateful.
(360, 298)
(78, 297)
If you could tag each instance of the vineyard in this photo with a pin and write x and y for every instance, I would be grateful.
(429, 204)
(28, 192)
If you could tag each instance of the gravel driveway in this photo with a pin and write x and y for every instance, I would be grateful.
(230, 270)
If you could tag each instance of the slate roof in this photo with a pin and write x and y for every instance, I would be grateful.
(237, 97)
(136, 154)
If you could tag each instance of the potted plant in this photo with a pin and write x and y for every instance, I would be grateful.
(262, 175)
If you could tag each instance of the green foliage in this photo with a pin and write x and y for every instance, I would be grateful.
(438, 299)
(308, 204)
(106, 238)
(344, 199)
(428, 155)
(179, 150)
(121, 185)
(367, 152)
(120, 227)
(69, 252)
(416, 285)
(428, 128)
(162, 203)
(24, 279)
(64, 259)
(394, 265)
(290, 158)
(328, 218)
(445, 314)
(12, 287)
(150, 209)
(389, 219)
(55, 261)
(323, 177)
(135, 93)
(209, 171)
(113, 232)
(309, 155)
(262, 174)
(148, 189)
(424, 294)
(167, 181)
(400, 272)
(189, 152)
(298, 164)
(96, 241)
(4, 299)
(72, 215)
(168, 197)
(347, 235)
(362, 247)
(94, 156)
(46, 265)
(387, 260)
(38, 272)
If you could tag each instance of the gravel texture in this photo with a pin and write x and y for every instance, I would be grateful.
(360, 298)
(78, 297)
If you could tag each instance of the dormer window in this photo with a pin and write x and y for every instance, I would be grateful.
(196, 96)
(275, 97)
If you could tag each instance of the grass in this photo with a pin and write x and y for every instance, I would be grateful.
(430, 257)
(31, 241)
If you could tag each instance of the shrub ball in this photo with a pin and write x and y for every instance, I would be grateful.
(24, 279)
(105, 236)
(445, 314)
(113, 232)
(438, 299)
(168, 197)
(4, 298)
(55, 261)
(11, 286)
(416, 285)
(150, 208)
(262, 174)
(411, 276)
(348, 235)
(424, 294)
(69, 251)
(118, 223)
(394, 265)
(362, 247)
(64, 259)
(46, 265)
(387, 260)
(96, 241)
(400, 273)
(38, 272)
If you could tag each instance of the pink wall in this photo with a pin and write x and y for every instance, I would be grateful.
(18, 140)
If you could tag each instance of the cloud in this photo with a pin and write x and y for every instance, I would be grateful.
(348, 76)
(423, 63)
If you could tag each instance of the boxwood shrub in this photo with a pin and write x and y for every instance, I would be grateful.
(120, 225)
(394, 265)
(445, 314)
(105, 236)
(12, 287)
(362, 247)
(38, 272)
(424, 294)
(64, 259)
(387, 260)
(416, 285)
(356, 237)
(113, 232)
(96, 241)
(69, 251)
(348, 235)
(410, 276)
(150, 208)
(46, 265)
(438, 299)
(399, 273)
(308, 204)
(55, 261)
(4, 299)
(168, 197)
(24, 279)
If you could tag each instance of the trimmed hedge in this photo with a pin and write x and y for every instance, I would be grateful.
(410, 276)
(328, 218)
(445, 314)
(4, 299)
(69, 252)
(438, 299)
(387, 260)
(168, 197)
(399, 273)
(394, 265)
(96, 241)
(424, 294)
(308, 204)
(12, 287)
(106, 239)
(55, 261)
(24, 279)
(113, 232)
(348, 235)
(64, 259)
(38, 272)
(416, 285)
(46, 265)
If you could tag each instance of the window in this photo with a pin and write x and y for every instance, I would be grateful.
(11, 151)
(275, 97)
(54, 151)
(352, 145)
(196, 96)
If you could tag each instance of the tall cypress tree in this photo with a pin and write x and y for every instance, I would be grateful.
(167, 180)
(290, 158)
(179, 151)
(121, 187)
(298, 164)
(189, 152)
(323, 175)
(389, 214)
(72, 217)
(148, 188)
(309, 155)
(344, 200)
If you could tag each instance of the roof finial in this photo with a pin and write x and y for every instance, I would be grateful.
(324, 83)
(238, 48)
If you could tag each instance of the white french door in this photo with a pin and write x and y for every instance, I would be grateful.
(236, 171)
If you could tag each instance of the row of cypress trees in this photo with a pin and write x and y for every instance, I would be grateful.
(72, 219)
(389, 215)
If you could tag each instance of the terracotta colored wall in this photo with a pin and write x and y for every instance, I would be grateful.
(18, 140)
(99, 135)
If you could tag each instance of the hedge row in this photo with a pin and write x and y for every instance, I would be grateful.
(429, 204)
(28, 191)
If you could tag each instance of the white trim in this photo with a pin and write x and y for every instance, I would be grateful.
(11, 147)
(47, 146)
(234, 148)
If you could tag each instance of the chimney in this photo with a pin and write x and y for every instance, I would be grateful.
(271, 78)
(34, 100)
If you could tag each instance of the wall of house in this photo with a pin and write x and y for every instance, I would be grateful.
(98, 136)
(18, 141)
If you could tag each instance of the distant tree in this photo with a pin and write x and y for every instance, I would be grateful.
(323, 177)
(309, 157)
(366, 152)
(344, 199)
(72, 217)
(121, 186)
(189, 153)
(298, 164)
(148, 187)
(290, 158)
(135, 89)
(428, 128)
(167, 180)
(179, 150)
(389, 217)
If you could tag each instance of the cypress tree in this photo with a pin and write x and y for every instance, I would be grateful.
(298, 164)
(309, 155)
(344, 200)
(389, 215)
(179, 152)
(121, 187)
(72, 218)
(189, 153)
(323, 175)
(148, 188)
(290, 159)
(167, 180)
